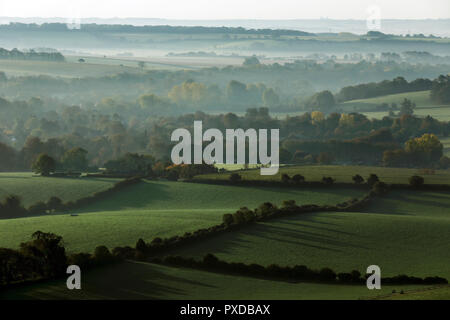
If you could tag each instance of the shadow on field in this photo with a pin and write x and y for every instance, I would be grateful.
(137, 196)
(411, 203)
(286, 233)
(128, 280)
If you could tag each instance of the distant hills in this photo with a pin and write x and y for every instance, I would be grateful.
(438, 27)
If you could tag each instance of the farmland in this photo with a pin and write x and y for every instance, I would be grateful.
(405, 233)
(155, 209)
(32, 189)
(341, 174)
(137, 280)
(424, 105)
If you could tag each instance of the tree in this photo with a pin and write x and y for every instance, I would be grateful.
(234, 177)
(55, 203)
(325, 158)
(298, 178)
(75, 159)
(47, 250)
(285, 178)
(270, 98)
(323, 100)
(358, 179)
(251, 61)
(38, 208)
(228, 219)
(328, 180)
(44, 164)
(425, 149)
(102, 255)
(237, 91)
(407, 107)
(380, 188)
(373, 178)
(416, 181)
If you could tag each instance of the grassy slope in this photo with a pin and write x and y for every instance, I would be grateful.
(33, 188)
(342, 174)
(437, 293)
(407, 233)
(446, 143)
(155, 209)
(424, 105)
(420, 98)
(136, 280)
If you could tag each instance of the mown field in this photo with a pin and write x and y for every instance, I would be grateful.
(406, 233)
(32, 189)
(155, 209)
(137, 280)
(341, 174)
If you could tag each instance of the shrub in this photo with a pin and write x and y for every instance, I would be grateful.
(227, 219)
(172, 175)
(373, 178)
(298, 178)
(55, 203)
(102, 255)
(289, 204)
(285, 178)
(80, 259)
(380, 188)
(38, 208)
(327, 180)
(266, 209)
(358, 179)
(326, 274)
(416, 181)
(234, 177)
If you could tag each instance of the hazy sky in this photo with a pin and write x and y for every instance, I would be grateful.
(226, 9)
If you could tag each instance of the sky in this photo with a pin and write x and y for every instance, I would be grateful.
(227, 9)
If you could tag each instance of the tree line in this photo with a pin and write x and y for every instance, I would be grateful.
(16, 54)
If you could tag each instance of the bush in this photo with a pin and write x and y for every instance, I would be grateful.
(234, 177)
(298, 178)
(38, 208)
(266, 209)
(227, 219)
(326, 274)
(288, 204)
(358, 179)
(373, 178)
(80, 259)
(55, 203)
(327, 180)
(285, 178)
(416, 181)
(102, 255)
(380, 188)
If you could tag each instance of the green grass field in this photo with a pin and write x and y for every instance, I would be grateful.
(420, 98)
(155, 209)
(424, 105)
(137, 280)
(446, 144)
(32, 188)
(407, 233)
(341, 174)
(436, 293)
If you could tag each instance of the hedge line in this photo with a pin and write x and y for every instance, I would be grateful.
(317, 184)
(11, 207)
(296, 273)
(240, 218)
